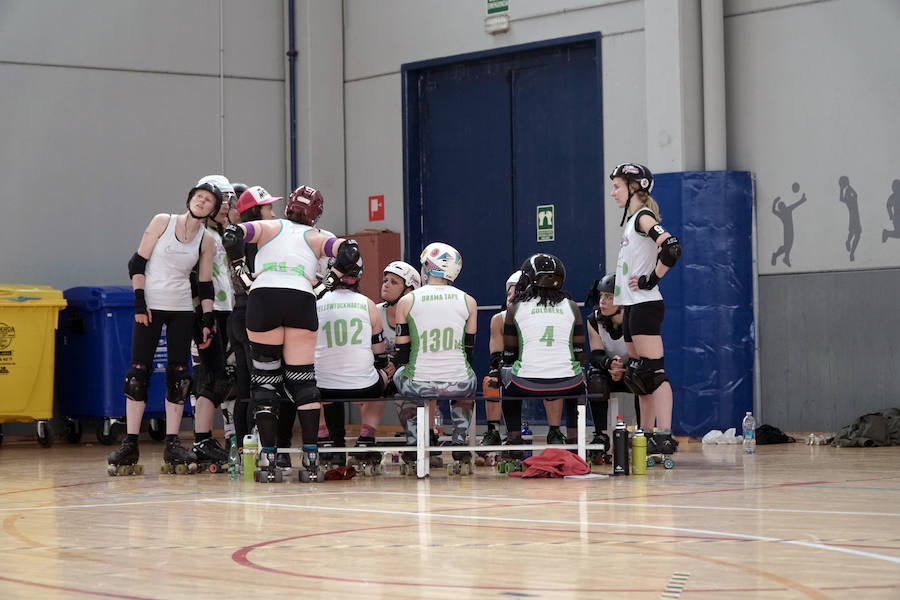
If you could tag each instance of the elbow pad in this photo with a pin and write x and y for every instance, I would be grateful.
(195, 284)
(402, 356)
(206, 290)
(670, 251)
(600, 360)
(137, 265)
(233, 241)
(347, 256)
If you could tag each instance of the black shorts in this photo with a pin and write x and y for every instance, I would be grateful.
(270, 308)
(373, 391)
(545, 388)
(643, 319)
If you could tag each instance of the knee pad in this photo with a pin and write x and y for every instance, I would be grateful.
(266, 366)
(266, 353)
(300, 382)
(641, 375)
(178, 383)
(137, 380)
(266, 417)
(598, 382)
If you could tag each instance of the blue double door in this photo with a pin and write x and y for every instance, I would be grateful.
(488, 139)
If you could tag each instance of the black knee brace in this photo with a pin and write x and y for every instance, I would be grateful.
(300, 382)
(599, 382)
(137, 380)
(178, 383)
(644, 375)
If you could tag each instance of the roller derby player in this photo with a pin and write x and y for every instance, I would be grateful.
(160, 274)
(435, 339)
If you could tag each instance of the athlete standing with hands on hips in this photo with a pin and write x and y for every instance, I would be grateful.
(647, 252)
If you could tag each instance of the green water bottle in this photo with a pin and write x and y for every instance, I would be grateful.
(249, 456)
(639, 453)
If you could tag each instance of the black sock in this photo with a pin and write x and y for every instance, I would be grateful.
(309, 426)
(132, 438)
(492, 425)
(512, 412)
(199, 437)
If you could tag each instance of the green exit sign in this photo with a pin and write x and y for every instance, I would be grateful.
(497, 6)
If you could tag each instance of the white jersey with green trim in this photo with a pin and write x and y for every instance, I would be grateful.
(545, 340)
(344, 359)
(437, 326)
(287, 260)
(167, 275)
(221, 276)
(637, 256)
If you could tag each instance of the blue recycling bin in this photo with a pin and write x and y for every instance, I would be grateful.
(93, 353)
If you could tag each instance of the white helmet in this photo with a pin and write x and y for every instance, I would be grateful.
(513, 280)
(221, 182)
(406, 272)
(441, 260)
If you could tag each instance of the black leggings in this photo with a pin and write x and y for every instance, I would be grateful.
(240, 344)
(179, 327)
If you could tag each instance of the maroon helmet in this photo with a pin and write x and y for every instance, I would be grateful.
(305, 206)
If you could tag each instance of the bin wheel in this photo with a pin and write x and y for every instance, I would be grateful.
(44, 434)
(73, 431)
(156, 429)
(106, 431)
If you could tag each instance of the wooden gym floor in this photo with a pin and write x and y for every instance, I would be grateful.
(794, 521)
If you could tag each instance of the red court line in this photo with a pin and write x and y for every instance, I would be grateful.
(71, 589)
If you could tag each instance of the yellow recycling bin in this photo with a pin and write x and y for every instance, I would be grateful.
(28, 319)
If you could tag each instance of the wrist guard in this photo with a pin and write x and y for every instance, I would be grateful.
(600, 360)
(646, 282)
(140, 302)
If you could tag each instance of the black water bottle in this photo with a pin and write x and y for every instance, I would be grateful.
(620, 448)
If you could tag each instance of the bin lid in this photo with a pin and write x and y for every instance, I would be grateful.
(91, 298)
(12, 294)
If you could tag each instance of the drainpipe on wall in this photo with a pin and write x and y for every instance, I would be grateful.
(712, 27)
(292, 96)
(221, 88)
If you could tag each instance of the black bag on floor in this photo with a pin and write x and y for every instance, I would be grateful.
(768, 434)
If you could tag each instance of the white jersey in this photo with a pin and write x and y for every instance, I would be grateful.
(437, 326)
(344, 359)
(637, 256)
(168, 284)
(545, 340)
(287, 260)
(613, 347)
(390, 336)
(221, 275)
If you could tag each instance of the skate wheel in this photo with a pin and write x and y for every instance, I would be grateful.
(451, 470)
(213, 468)
(138, 469)
(668, 463)
(163, 469)
(304, 476)
(278, 477)
(256, 476)
(111, 470)
(379, 469)
(650, 461)
(180, 469)
(370, 470)
(123, 470)
(467, 469)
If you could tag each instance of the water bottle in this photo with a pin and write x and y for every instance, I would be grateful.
(639, 453)
(620, 448)
(249, 456)
(233, 466)
(749, 427)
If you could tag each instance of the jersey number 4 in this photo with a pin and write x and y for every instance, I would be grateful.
(547, 338)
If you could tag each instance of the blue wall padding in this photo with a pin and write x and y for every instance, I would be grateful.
(708, 332)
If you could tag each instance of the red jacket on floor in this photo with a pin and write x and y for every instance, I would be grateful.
(553, 462)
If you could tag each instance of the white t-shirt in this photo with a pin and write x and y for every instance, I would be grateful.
(637, 256)
(344, 359)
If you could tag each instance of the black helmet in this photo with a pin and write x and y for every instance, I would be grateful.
(353, 274)
(606, 284)
(634, 172)
(212, 189)
(543, 271)
(239, 188)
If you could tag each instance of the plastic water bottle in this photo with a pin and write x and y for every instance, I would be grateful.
(233, 467)
(749, 426)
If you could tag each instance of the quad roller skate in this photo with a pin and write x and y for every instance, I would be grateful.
(177, 459)
(491, 438)
(511, 460)
(123, 460)
(463, 463)
(312, 470)
(555, 436)
(367, 463)
(600, 457)
(267, 470)
(283, 462)
(408, 462)
(211, 456)
(434, 458)
(330, 460)
(660, 447)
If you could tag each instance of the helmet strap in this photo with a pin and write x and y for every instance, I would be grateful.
(627, 203)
